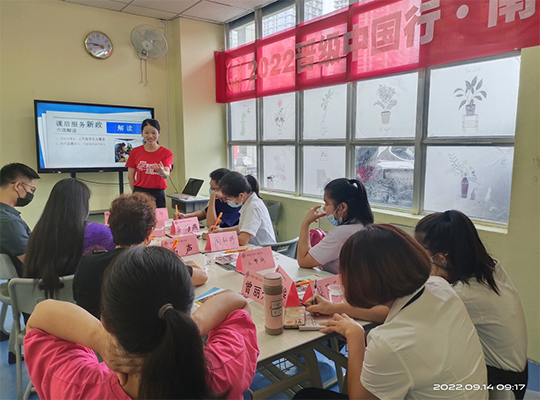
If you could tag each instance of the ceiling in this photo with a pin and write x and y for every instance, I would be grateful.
(213, 11)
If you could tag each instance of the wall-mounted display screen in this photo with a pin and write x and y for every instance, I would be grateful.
(78, 137)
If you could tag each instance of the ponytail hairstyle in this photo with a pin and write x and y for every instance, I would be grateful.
(146, 302)
(55, 246)
(453, 234)
(353, 193)
(234, 183)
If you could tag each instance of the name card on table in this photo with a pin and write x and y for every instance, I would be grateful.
(322, 285)
(255, 260)
(222, 241)
(290, 294)
(162, 214)
(106, 215)
(186, 245)
(252, 287)
(185, 226)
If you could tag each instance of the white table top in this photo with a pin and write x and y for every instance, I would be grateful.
(269, 345)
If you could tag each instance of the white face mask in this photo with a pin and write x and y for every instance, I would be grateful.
(232, 204)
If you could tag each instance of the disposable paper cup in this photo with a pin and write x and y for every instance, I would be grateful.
(336, 293)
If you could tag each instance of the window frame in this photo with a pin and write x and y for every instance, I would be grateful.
(420, 141)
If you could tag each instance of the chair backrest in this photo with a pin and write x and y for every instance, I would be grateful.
(7, 269)
(501, 394)
(315, 236)
(25, 293)
(274, 209)
(288, 248)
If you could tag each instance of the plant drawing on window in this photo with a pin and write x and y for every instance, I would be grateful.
(386, 101)
(282, 114)
(243, 122)
(324, 105)
(471, 92)
(465, 171)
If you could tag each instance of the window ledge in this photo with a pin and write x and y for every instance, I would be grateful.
(404, 218)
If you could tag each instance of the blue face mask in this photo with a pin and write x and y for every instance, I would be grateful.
(333, 221)
(232, 204)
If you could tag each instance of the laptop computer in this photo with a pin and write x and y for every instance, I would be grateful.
(191, 189)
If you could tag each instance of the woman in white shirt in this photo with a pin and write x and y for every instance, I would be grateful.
(458, 255)
(347, 208)
(255, 225)
(427, 348)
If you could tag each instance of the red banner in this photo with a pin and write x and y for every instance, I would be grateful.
(375, 38)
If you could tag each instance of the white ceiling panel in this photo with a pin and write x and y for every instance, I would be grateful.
(213, 11)
(245, 4)
(106, 4)
(173, 6)
(148, 12)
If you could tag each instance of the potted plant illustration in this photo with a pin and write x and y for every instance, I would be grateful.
(463, 170)
(324, 105)
(325, 101)
(386, 101)
(471, 93)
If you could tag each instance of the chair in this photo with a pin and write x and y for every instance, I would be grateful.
(274, 209)
(25, 294)
(288, 248)
(496, 394)
(7, 272)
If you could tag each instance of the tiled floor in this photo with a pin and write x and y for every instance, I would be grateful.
(8, 378)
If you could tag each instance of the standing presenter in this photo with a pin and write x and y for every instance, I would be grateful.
(150, 165)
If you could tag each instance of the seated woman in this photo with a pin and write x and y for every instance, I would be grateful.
(347, 208)
(216, 205)
(62, 235)
(255, 225)
(132, 220)
(427, 340)
(152, 347)
(458, 255)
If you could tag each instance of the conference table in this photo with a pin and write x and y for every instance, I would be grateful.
(289, 344)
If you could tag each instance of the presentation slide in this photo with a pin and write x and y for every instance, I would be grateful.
(80, 136)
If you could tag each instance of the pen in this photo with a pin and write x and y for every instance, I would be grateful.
(315, 298)
(174, 244)
(235, 250)
(176, 206)
(217, 220)
(303, 283)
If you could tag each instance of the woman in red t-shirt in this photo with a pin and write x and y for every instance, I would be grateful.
(149, 165)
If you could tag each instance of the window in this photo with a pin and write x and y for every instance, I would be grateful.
(316, 8)
(429, 140)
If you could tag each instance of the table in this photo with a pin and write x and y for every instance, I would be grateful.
(290, 342)
(190, 204)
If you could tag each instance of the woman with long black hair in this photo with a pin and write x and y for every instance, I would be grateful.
(62, 235)
(459, 256)
(152, 346)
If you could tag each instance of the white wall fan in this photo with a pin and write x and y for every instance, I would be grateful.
(149, 43)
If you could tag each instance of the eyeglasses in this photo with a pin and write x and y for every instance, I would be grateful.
(32, 188)
(214, 189)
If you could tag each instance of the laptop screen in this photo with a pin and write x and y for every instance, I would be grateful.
(193, 186)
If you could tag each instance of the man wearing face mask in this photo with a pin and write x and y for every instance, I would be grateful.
(17, 188)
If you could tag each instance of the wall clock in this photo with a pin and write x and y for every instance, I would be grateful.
(98, 45)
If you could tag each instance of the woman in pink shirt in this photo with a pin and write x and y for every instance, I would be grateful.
(151, 345)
